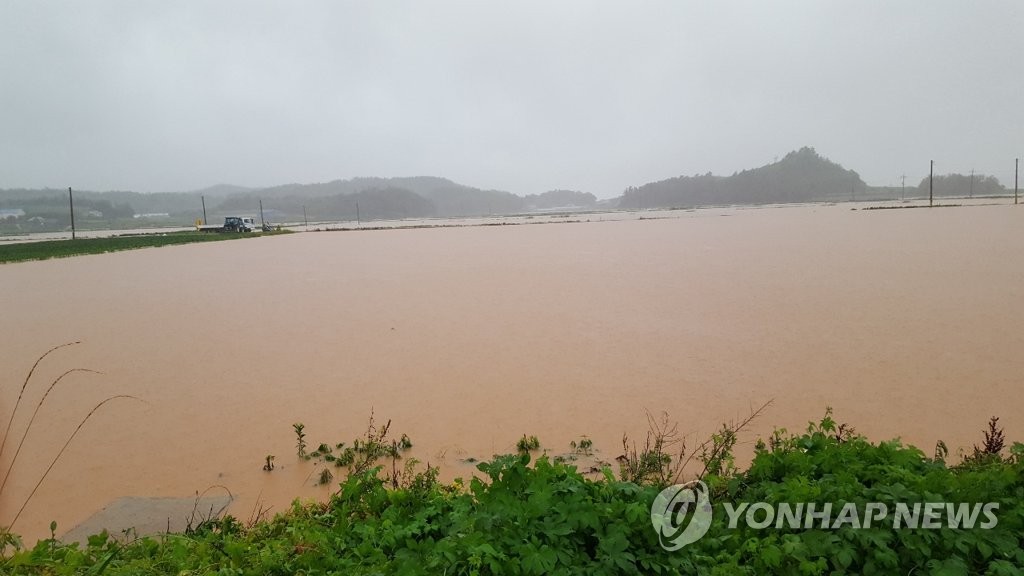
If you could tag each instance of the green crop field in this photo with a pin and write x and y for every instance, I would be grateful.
(64, 248)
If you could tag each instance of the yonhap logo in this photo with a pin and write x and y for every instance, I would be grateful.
(681, 514)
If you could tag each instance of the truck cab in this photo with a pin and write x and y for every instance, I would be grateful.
(240, 224)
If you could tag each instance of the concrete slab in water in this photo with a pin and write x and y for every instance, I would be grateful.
(148, 516)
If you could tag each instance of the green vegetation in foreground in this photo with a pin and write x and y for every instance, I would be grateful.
(63, 248)
(549, 519)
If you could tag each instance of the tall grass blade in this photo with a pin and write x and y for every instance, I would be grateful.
(33, 419)
(63, 448)
(23, 386)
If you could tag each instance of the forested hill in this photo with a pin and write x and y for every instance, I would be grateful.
(406, 197)
(25, 210)
(801, 176)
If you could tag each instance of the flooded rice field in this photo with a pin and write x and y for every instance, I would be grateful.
(906, 322)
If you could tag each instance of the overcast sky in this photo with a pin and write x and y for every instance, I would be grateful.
(520, 96)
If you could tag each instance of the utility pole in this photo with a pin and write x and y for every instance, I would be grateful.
(71, 203)
(305, 218)
(263, 223)
(357, 213)
(972, 183)
(204, 209)
(931, 177)
(1016, 170)
(903, 188)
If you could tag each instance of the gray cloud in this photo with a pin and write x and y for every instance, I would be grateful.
(524, 96)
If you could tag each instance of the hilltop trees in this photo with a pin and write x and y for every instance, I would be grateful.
(801, 176)
(960, 185)
(560, 198)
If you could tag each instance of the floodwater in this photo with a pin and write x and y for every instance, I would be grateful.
(906, 322)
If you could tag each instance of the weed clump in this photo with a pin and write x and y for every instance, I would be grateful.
(585, 447)
(527, 444)
(991, 449)
(663, 457)
(363, 455)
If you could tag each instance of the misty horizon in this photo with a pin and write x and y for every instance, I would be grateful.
(232, 188)
(595, 97)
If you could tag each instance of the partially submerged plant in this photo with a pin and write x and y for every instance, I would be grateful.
(994, 439)
(365, 452)
(663, 457)
(654, 461)
(210, 519)
(991, 448)
(300, 439)
(585, 447)
(527, 444)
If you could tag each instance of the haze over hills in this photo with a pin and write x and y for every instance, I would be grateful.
(363, 198)
(381, 198)
(801, 176)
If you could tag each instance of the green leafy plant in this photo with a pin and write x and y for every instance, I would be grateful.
(300, 440)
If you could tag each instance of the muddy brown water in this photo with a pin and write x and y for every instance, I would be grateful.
(906, 322)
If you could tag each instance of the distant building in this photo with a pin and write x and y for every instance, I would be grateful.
(11, 213)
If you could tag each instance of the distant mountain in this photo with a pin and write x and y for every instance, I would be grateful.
(365, 198)
(560, 199)
(801, 176)
(443, 198)
(372, 204)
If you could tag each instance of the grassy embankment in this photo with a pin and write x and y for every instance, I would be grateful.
(63, 248)
(548, 518)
